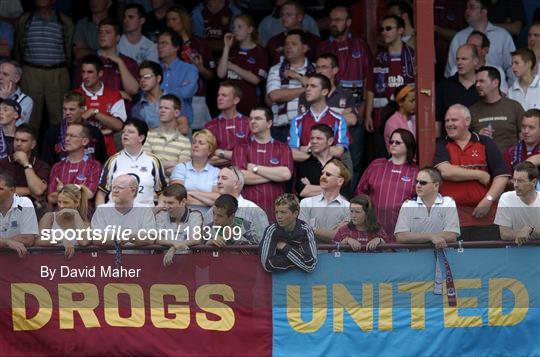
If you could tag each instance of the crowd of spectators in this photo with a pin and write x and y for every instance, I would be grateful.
(282, 130)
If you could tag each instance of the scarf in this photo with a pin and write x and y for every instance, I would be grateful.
(382, 64)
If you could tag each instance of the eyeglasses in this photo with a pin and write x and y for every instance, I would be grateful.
(387, 28)
(235, 170)
(422, 182)
(395, 142)
(147, 76)
(518, 181)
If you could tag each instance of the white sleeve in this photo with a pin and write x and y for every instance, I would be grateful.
(118, 110)
(402, 224)
(28, 223)
(98, 219)
(452, 218)
(273, 81)
(503, 216)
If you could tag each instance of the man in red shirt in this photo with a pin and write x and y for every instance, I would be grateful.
(473, 170)
(105, 107)
(230, 127)
(266, 163)
(76, 168)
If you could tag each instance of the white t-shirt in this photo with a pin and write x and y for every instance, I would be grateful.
(513, 213)
(140, 51)
(19, 219)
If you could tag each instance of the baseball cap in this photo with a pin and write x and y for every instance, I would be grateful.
(14, 104)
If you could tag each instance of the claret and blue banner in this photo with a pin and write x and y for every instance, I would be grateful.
(353, 304)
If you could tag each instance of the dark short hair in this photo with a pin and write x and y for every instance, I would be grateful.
(492, 72)
(532, 113)
(300, 33)
(369, 209)
(140, 9)
(93, 60)
(141, 126)
(267, 113)
(527, 55)
(325, 82)
(289, 200)
(404, 7)
(26, 128)
(176, 40)
(332, 57)
(529, 168)
(297, 4)
(433, 173)
(227, 202)
(236, 89)
(400, 24)
(176, 190)
(485, 40)
(177, 103)
(410, 143)
(154, 67)
(325, 129)
(8, 179)
(110, 22)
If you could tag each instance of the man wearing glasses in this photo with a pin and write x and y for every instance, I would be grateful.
(430, 217)
(518, 211)
(326, 212)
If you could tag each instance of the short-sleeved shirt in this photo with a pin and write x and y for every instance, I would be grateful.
(337, 101)
(388, 185)
(415, 217)
(301, 128)
(320, 213)
(146, 166)
(19, 219)
(26, 103)
(229, 132)
(272, 154)
(186, 224)
(144, 50)
(480, 153)
(203, 180)
(349, 231)
(146, 111)
(85, 172)
(504, 117)
(44, 40)
(254, 60)
(513, 213)
(196, 46)
(9, 166)
(111, 74)
(276, 47)
(106, 100)
(450, 91)
(180, 78)
(311, 169)
(168, 147)
(139, 217)
(529, 99)
(355, 63)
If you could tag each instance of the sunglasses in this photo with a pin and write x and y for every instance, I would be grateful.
(386, 28)
(395, 142)
(328, 174)
(422, 182)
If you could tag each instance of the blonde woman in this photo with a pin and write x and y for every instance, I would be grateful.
(198, 176)
(72, 215)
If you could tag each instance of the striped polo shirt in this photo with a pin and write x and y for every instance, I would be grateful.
(44, 41)
(168, 147)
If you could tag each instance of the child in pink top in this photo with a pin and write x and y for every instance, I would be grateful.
(363, 227)
(404, 116)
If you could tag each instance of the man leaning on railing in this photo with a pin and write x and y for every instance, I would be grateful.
(518, 212)
(430, 217)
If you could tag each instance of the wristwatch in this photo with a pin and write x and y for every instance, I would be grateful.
(28, 166)
(95, 112)
(255, 169)
(490, 198)
(309, 151)
(221, 154)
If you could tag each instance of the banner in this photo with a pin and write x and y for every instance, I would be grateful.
(383, 304)
(200, 305)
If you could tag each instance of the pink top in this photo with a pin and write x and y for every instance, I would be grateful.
(396, 121)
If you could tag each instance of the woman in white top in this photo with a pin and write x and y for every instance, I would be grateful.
(72, 215)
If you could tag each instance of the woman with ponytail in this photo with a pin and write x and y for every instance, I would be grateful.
(403, 113)
(72, 214)
(363, 227)
(244, 62)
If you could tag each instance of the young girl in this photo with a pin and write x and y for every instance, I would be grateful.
(72, 214)
(244, 63)
(363, 227)
(404, 109)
